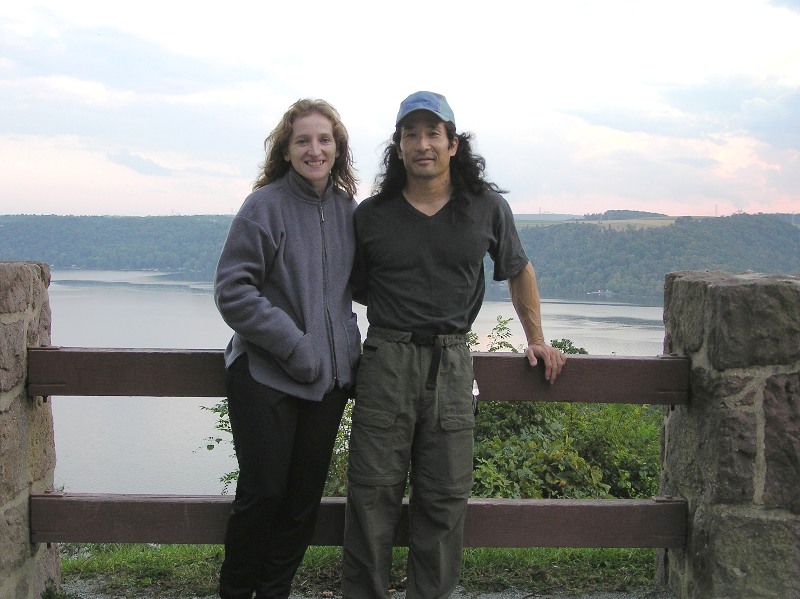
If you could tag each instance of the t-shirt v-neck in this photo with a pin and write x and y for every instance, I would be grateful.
(419, 212)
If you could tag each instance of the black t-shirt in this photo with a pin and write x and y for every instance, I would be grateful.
(425, 273)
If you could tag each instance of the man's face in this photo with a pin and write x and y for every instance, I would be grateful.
(424, 147)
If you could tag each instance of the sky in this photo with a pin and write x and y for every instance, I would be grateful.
(680, 107)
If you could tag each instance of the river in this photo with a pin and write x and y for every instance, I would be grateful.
(157, 445)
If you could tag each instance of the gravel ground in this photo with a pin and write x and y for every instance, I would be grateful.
(92, 589)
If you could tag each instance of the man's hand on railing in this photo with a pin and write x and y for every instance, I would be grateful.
(554, 359)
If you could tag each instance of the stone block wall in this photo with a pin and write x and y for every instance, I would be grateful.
(734, 451)
(27, 451)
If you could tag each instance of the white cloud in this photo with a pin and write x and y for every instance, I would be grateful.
(676, 106)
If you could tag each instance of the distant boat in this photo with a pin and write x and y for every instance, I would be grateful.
(604, 292)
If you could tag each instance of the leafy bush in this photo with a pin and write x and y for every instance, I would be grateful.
(558, 450)
(523, 467)
(623, 441)
(521, 451)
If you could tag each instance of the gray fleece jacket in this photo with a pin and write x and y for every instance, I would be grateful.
(282, 285)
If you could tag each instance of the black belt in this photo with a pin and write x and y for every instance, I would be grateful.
(423, 338)
(436, 359)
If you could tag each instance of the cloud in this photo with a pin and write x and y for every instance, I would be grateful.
(662, 121)
(594, 107)
(768, 111)
(118, 89)
(793, 5)
(774, 120)
(121, 60)
(139, 164)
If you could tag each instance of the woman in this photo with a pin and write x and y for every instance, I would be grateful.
(281, 285)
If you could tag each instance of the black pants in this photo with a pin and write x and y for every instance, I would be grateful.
(283, 445)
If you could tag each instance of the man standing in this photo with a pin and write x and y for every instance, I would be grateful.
(421, 242)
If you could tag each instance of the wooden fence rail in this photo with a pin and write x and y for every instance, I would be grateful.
(95, 518)
(79, 517)
(659, 380)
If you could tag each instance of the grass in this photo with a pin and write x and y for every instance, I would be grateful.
(181, 570)
(539, 570)
(173, 569)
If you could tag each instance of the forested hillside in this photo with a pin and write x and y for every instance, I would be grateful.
(188, 244)
(571, 259)
(577, 258)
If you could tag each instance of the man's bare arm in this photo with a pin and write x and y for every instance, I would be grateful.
(525, 297)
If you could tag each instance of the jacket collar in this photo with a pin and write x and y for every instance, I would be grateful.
(302, 189)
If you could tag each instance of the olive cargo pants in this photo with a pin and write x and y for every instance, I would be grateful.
(405, 417)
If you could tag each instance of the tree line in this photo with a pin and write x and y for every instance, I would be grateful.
(580, 258)
(571, 258)
(187, 244)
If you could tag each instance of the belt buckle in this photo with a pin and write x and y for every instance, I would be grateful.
(423, 338)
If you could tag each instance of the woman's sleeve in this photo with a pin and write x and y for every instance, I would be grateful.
(241, 271)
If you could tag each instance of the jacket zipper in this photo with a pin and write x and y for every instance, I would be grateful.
(325, 294)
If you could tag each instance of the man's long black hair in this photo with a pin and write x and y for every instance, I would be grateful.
(466, 168)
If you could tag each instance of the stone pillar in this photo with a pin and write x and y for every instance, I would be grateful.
(27, 452)
(734, 451)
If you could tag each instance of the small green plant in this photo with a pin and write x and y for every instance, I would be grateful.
(566, 346)
(223, 437)
(336, 483)
(500, 335)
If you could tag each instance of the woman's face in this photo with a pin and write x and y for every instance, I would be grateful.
(312, 149)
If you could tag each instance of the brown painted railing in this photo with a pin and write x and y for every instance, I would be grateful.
(76, 517)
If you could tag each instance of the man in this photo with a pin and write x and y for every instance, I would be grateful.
(420, 245)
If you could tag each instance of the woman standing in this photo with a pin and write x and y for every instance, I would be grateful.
(281, 285)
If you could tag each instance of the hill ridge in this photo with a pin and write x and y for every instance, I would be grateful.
(572, 259)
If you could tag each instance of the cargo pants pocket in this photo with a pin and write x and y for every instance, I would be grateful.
(377, 454)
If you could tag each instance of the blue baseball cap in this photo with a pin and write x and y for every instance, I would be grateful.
(430, 101)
